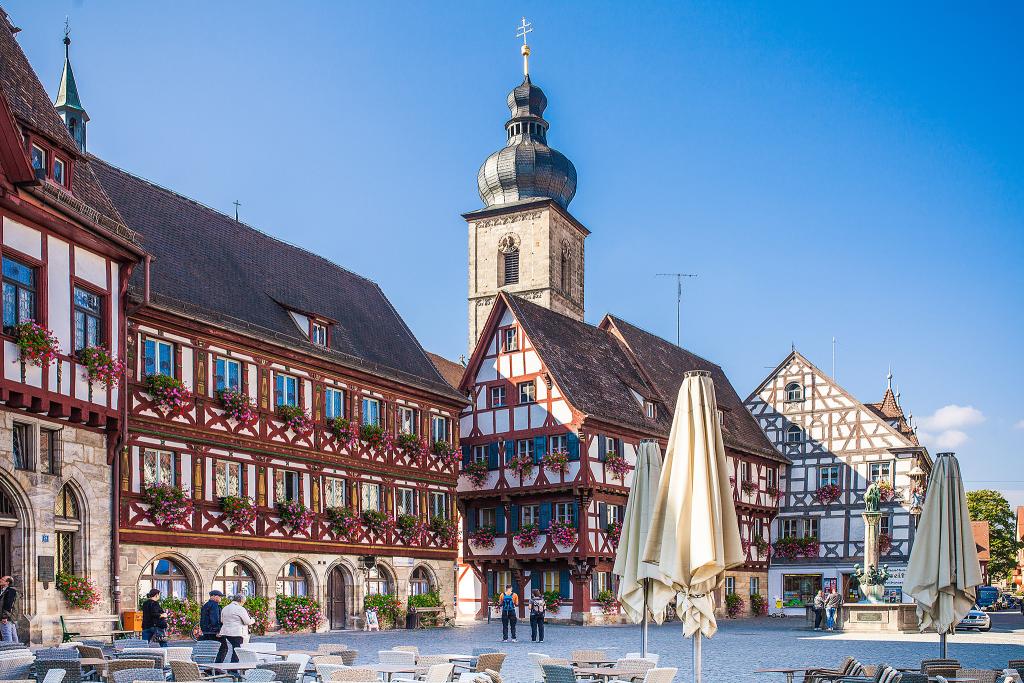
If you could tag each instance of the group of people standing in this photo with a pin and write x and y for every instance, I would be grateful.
(826, 605)
(509, 603)
(228, 625)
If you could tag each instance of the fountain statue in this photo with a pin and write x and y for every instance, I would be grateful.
(872, 576)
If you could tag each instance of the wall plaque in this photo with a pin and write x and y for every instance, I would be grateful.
(45, 568)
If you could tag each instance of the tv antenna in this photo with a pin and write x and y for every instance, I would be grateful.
(679, 295)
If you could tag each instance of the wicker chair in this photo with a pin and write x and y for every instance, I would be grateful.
(331, 648)
(17, 672)
(189, 671)
(205, 651)
(490, 660)
(258, 676)
(115, 665)
(407, 648)
(885, 674)
(131, 675)
(55, 676)
(913, 677)
(849, 667)
(89, 651)
(663, 675)
(286, 672)
(349, 656)
(638, 667)
(396, 657)
(72, 669)
(356, 675)
(439, 673)
(980, 675)
(557, 673)
(57, 653)
(638, 655)
(585, 655)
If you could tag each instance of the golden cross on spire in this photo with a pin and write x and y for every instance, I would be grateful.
(521, 31)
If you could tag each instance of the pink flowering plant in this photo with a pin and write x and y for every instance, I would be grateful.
(408, 527)
(343, 431)
(522, 465)
(295, 418)
(409, 444)
(562, 533)
(772, 490)
(344, 522)
(36, 344)
(295, 516)
(101, 366)
(445, 452)
(791, 547)
(748, 487)
(476, 472)
(169, 393)
(617, 465)
(239, 511)
(614, 532)
(886, 491)
(606, 599)
(527, 535)
(168, 505)
(378, 522)
(298, 613)
(556, 461)
(884, 543)
(78, 591)
(444, 528)
(372, 434)
(828, 494)
(237, 406)
(483, 537)
(761, 545)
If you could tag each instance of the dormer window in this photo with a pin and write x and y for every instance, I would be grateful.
(59, 171)
(650, 409)
(39, 161)
(509, 342)
(318, 333)
(794, 392)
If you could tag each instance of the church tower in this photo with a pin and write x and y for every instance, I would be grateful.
(68, 104)
(525, 241)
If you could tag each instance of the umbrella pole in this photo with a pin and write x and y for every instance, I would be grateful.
(942, 645)
(643, 623)
(696, 658)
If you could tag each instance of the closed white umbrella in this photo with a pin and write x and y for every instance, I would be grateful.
(694, 536)
(943, 570)
(635, 574)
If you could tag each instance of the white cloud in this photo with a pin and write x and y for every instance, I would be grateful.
(952, 417)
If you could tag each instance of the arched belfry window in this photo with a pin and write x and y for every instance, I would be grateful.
(508, 260)
(794, 392)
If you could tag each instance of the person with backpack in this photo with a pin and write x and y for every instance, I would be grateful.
(538, 606)
(509, 603)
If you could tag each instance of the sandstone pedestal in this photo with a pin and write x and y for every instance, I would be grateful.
(892, 618)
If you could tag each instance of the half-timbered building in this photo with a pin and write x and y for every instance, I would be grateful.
(67, 256)
(838, 446)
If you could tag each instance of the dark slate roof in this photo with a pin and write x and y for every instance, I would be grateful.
(210, 266)
(450, 370)
(665, 364)
(33, 110)
(590, 367)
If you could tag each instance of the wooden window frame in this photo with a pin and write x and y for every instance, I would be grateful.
(38, 269)
(405, 412)
(504, 396)
(157, 343)
(278, 390)
(226, 362)
(341, 403)
(532, 384)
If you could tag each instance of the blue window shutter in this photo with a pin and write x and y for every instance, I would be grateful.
(513, 518)
(492, 582)
(540, 448)
(466, 455)
(545, 516)
(537, 579)
(602, 515)
(470, 519)
(499, 520)
(602, 447)
(619, 448)
(515, 584)
(510, 450)
(573, 444)
(563, 583)
(576, 514)
(492, 456)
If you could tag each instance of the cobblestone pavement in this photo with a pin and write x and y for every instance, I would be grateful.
(732, 655)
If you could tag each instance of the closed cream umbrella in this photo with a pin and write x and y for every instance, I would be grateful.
(634, 574)
(943, 570)
(694, 536)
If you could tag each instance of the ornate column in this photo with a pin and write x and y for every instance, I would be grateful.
(580, 574)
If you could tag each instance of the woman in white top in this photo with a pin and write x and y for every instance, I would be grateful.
(234, 624)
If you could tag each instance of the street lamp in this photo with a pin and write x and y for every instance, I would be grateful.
(367, 564)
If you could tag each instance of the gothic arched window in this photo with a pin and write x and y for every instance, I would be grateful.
(420, 582)
(292, 580)
(68, 521)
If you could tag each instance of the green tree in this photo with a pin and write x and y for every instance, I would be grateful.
(992, 507)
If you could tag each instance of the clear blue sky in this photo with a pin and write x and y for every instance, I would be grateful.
(850, 172)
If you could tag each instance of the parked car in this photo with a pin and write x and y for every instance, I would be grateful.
(975, 619)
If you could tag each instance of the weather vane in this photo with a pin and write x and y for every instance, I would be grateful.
(521, 31)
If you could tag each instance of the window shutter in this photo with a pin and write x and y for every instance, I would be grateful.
(563, 583)
(602, 447)
(593, 586)
(540, 448)
(499, 520)
(470, 519)
(619, 449)
(573, 443)
(515, 584)
(602, 515)
(492, 582)
(576, 514)
(492, 455)
(466, 455)
(537, 579)
(545, 516)
(510, 449)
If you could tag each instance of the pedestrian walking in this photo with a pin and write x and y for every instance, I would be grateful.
(8, 605)
(235, 621)
(538, 606)
(831, 609)
(819, 609)
(210, 623)
(154, 623)
(509, 602)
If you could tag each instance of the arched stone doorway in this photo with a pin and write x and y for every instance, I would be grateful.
(339, 597)
(8, 520)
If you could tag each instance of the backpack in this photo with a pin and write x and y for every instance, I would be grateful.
(508, 603)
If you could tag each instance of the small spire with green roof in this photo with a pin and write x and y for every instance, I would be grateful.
(68, 104)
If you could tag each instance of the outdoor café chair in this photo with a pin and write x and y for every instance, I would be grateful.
(246, 656)
(913, 677)
(849, 667)
(980, 675)
(18, 672)
(115, 665)
(181, 654)
(205, 651)
(439, 673)
(132, 675)
(588, 655)
(396, 657)
(57, 653)
(331, 648)
(286, 672)
(55, 676)
(189, 671)
(940, 667)
(490, 660)
(559, 673)
(303, 662)
(72, 669)
(131, 642)
(652, 657)
(1015, 664)
(664, 675)
(407, 648)
(638, 667)
(356, 675)
(89, 652)
(258, 676)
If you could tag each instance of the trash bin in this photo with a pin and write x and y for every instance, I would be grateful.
(412, 619)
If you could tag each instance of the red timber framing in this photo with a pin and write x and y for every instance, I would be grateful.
(323, 470)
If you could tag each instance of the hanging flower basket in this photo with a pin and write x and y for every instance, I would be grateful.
(476, 472)
(886, 491)
(296, 516)
(748, 487)
(237, 406)
(762, 546)
(78, 591)
(169, 393)
(772, 491)
(36, 344)
(522, 465)
(372, 434)
(445, 452)
(344, 522)
(787, 547)
(342, 430)
(556, 462)
(100, 366)
(809, 547)
(562, 533)
(444, 528)
(295, 419)
(828, 494)
(168, 505)
(884, 544)
(239, 511)
(408, 527)
(378, 522)
(527, 535)
(617, 465)
(614, 531)
(408, 444)
(482, 537)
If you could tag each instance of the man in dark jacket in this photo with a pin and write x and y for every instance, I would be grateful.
(8, 603)
(154, 623)
(209, 622)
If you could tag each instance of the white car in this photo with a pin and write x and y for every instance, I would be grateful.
(977, 620)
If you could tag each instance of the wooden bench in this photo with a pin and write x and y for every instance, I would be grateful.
(108, 626)
(441, 617)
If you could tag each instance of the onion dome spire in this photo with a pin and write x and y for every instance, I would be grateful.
(526, 167)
